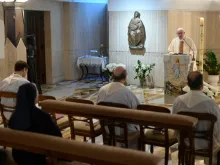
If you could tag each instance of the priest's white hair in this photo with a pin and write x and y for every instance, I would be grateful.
(180, 29)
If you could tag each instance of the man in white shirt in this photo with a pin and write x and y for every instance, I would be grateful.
(12, 84)
(197, 101)
(183, 45)
(116, 92)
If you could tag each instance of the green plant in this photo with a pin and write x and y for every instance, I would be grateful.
(211, 64)
(142, 71)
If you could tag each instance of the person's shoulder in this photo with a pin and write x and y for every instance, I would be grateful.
(210, 102)
(189, 39)
(174, 39)
(23, 81)
(4, 83)
(178, 99)
(127, 91)
(5, 80)
(103, 88)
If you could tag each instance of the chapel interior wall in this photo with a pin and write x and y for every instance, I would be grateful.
(161, 26)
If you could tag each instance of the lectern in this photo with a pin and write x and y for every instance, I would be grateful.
(176, 68)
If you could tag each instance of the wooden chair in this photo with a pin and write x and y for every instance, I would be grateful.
(62, 122)
(110, 138)
(161, 137)
(206, 135)
(83, 126)
(171, 121)
(4, 108)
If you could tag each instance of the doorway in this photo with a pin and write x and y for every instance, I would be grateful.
(35, 24)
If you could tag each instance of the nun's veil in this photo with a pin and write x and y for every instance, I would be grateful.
(21, 118)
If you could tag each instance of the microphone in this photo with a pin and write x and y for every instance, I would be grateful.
(193, 59)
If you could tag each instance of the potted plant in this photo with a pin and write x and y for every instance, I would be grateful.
(142, 72)
(212, 67)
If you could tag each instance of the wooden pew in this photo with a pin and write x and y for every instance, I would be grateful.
(55, 147)
(183, 124)
(171, 121)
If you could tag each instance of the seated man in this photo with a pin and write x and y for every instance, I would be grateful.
(197, 101)
(116, 92)
(12, 84)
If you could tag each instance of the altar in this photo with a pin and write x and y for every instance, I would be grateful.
(84, 62)
(176, 68)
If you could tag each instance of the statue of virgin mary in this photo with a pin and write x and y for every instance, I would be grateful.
(136, 32)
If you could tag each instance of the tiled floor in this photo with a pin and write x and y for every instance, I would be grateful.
(67, 89)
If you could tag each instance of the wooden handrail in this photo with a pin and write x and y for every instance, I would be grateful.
(56, 147)
(119, 114)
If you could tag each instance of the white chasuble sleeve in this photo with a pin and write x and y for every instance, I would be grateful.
(171, 47)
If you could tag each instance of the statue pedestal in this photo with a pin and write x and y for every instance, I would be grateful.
(176, 68)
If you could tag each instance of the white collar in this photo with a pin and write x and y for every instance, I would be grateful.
(113, 87)
(16, 75)
(193, 98)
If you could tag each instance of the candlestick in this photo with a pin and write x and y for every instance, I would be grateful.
(201, 52)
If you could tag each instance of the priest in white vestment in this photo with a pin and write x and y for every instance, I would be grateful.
(12, 84)
(116, 92)
(183, 44)
(197, 101)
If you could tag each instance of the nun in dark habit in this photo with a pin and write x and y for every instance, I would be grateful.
(27, 117)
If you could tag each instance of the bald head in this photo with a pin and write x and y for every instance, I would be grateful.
(180, 30)
(119, 74)
(195, 80)
(180, 33)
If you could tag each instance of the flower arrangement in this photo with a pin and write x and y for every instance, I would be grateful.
(110, 67)
(207, 89)
(142, 71)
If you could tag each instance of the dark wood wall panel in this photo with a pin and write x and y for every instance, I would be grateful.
(34, 21)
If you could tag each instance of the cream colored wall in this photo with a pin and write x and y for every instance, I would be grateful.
(189, 20)
(213, 32)
(156, 24)
(193, 5)
(56, 17)
(85, 29)
(9, 54)
(2, 32)
(12, 54)
(55, 71)
(161, 28)
(2, 42)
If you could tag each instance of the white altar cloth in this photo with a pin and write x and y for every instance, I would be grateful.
(92, 61)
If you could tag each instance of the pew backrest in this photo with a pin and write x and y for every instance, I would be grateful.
(56, 147)
(171, 121)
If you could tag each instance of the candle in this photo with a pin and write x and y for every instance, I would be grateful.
(201, 50)
(201, 21)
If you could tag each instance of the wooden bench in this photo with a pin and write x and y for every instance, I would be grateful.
(55, 147)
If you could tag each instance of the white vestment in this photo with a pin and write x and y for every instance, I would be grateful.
(189, 47)
(116, 92)
(197, 101)
(11, 84)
